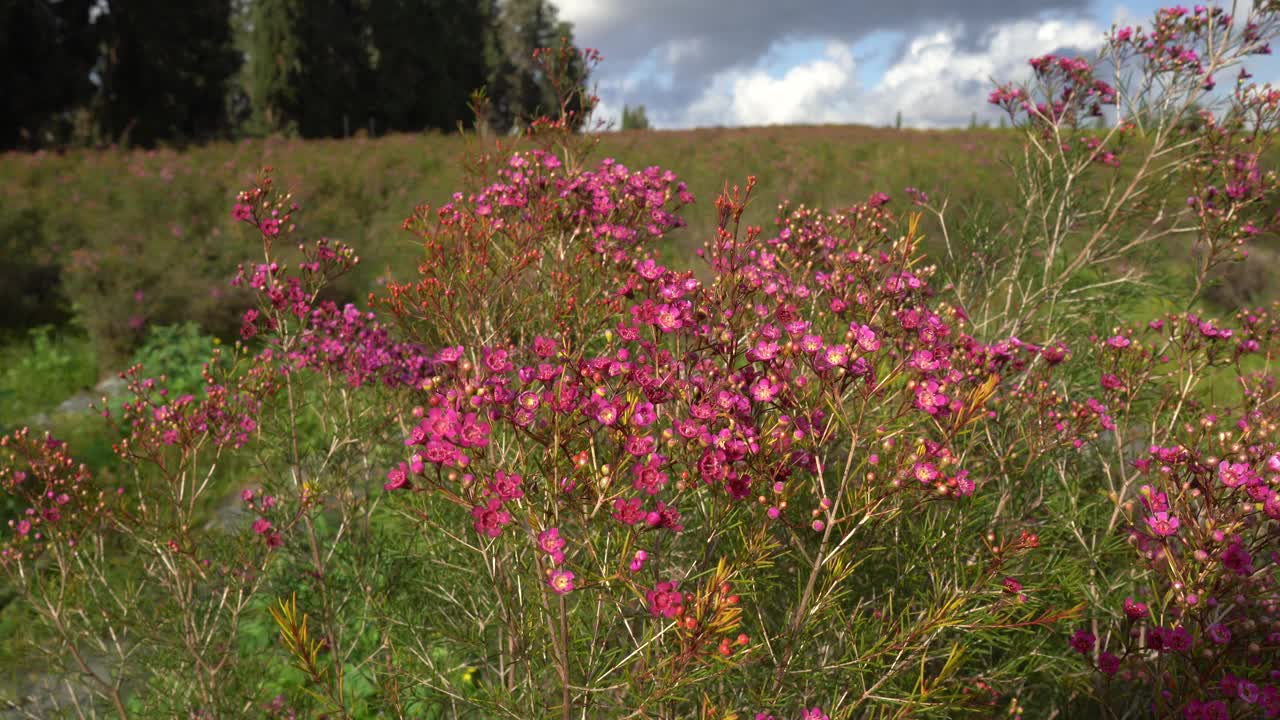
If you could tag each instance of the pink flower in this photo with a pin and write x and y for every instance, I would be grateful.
(637, 562)
(628, 512)
(644, 414)
(490, 518)
(813, 713)
(1234, 474)
(1236, 558)
(270, 227)
(398, 478)
(929, 398)
(1163, 524)
(925, 472)
(561, 582)
(242, 212)
(665, 600)
(550, 542)
(649, 477)
(506, 487)
(764, 391)
(866, 338)
(1108, 663)
(262, 526)
(1083, 641)
(1134, 609)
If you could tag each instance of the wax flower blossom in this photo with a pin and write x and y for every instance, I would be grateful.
(561, 582)
(665, 600)
(550, 542)
(1163, 524)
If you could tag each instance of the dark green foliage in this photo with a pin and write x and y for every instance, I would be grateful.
(40, 371)
(46, 51)
(165, 70)
(142, 72)
(30, 278)
(310, 66)
(428, 57)
(634, 118)
(517, 89)
(179, 353)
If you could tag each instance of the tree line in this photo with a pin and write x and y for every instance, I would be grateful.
(142, 72)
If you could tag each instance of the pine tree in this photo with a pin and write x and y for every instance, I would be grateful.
(516, 87)
(428, 57)
(46, 52)
(311, 66)
(164, 69)
(634, 118)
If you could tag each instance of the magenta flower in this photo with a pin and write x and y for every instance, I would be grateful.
(242, 212)
(648, 476)
(637, 562)
(1234, 474)
(925, 472)
(929, 398)
(270, 227)
(545, 347)
(473, 433)
(813, 713)
(644, 414)
(1135, 610)
(628, 512)
(866, 338)
(506, 486)
(1237, 559)
(398, 478)
(561, 582)
(1083, 641)
(550, 542)
(1163, 524)
(764, 390)
(490, 518)
(665, 600)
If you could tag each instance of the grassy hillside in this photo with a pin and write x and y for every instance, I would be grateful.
(114, 243)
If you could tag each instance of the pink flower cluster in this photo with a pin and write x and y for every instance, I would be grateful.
(58, 499)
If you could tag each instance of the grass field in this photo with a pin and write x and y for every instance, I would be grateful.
(105, 245)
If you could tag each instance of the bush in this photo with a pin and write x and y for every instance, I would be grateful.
(30, 278)
(556, 476)
(41, 371)
(177, 355)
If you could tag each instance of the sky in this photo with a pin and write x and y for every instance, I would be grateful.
(707, 63)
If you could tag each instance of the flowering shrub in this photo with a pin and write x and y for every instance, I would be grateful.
(816, 477)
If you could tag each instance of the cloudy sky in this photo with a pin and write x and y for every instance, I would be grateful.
(695, 63)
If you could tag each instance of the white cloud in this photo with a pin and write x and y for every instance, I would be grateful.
(937, 81)
(755, 97)
(673, 55)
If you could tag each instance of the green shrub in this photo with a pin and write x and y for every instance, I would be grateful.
(42, 370)
(179, 353)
